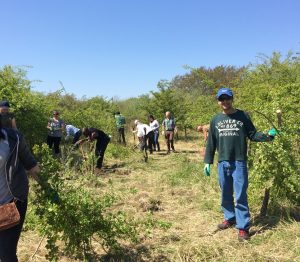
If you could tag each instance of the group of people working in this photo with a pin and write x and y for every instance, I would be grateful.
(228, 132)
(148, 134)
(56, 128)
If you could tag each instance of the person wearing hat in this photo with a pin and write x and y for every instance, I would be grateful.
(16, 165)
(7, 118)
(228, 133)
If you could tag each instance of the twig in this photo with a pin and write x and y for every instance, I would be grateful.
(38, 247)
(268, 119)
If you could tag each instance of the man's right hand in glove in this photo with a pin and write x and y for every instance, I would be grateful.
(206, 170)
(272, 132)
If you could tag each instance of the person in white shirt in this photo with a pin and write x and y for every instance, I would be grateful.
(145, 135)
(154, 125)
(73, 133)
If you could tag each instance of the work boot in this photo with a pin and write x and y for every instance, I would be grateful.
(226, 224)
(243, 235)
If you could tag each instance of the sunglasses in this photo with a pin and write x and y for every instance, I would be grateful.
(55, 114)
(223, 98)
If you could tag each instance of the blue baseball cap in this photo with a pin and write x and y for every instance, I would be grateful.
(224, 91)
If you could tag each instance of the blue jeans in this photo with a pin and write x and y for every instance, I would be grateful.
(233, 177)
(156, 143)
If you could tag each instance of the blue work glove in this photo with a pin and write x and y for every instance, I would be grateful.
(272, 132)
(207, 170)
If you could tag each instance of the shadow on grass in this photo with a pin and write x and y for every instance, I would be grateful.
(140, 253)
(276, 214)
(119, 165)
(189, 151)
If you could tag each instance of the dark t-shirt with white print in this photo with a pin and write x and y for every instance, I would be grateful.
(228, 135)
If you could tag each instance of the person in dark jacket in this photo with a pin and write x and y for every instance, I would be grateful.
(16, 162)
(7, 118)
(102, 141)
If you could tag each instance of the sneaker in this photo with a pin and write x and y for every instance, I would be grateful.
(226, 224)
(243, 235)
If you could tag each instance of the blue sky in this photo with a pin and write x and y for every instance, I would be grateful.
(122, 48)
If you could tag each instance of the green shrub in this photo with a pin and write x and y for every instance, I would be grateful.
(77, 216)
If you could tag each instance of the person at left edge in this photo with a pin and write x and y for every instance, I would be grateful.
(7, 118)
(15, 161)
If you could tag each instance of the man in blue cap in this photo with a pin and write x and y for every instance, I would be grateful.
(228, 133)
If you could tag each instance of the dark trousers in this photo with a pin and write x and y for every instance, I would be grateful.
(51, 140)
(150, 140)
(76, 136)
(9, 238)
(147, 142)
(101, 146)
(121, 135)
(169, 136)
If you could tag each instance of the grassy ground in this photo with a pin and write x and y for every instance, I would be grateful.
(180, 207)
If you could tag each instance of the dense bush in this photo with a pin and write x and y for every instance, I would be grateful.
(73, 215)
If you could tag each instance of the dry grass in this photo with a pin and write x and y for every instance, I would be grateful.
(167, 191)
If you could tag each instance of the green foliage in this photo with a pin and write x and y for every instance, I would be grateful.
(78, 217)
(205, 81)
(270, 86)
(29, 108)
(82, 214)
(117, 151)
(274, 167)
(149, 223)
(187, 174)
